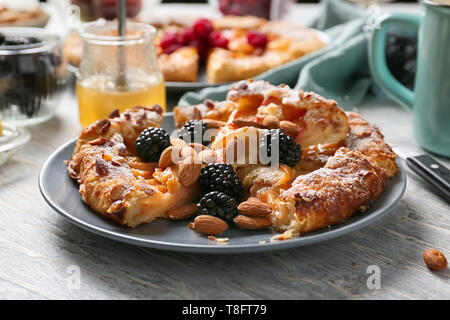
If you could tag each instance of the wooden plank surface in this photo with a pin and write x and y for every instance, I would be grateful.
(38, 248)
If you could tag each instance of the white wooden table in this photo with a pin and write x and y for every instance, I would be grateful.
(39, 249)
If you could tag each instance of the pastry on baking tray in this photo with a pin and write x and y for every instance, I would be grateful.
(231, 48)
(331, 164)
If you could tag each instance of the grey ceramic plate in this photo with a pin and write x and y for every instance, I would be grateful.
(61, 193)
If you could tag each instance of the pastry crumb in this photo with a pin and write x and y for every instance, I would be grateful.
(262, 242)
(191, 225)
(284, 236)
(219, 240)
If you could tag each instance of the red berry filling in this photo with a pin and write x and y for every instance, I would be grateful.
(217, 39)
(201, 35)
(256, 39)
(202, 28)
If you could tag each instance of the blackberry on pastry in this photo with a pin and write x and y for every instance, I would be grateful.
(289, 151)
(151, 143)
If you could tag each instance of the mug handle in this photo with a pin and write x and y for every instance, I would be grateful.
(377, 56)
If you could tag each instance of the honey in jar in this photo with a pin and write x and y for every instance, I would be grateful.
(96, 101)
(117, 72)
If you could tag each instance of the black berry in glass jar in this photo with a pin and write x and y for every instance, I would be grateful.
(32, 74)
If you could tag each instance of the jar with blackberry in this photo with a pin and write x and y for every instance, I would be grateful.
(33, 73)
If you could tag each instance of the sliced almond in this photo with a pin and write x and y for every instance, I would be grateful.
(243, 123)
(189, 171)
(196, 114)
(271, 122)
(290, 128)
(183, 212)
(254, 208)
(165, 159)
(214, 124)
(252, 223)
(209, 225)
(116, 192)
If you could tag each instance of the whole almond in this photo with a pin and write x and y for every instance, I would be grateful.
(209, 225)
(189, 171)
(435, 259)
(197, 147)
(214, 124)
(254, 208)
(243, 123)
(183, 212)
(165, 159)
(177, 142)
(252, 223)
(207, 156)
(187, 152)
(271, 122)
(290, 128)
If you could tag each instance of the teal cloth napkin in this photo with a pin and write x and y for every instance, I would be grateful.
(340, 71)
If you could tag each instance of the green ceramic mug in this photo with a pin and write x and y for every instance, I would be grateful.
(430, 100)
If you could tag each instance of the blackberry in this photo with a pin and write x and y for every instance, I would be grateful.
(221, 177)
(151, 143)
(289, 151)
(218, 204)
(191, 130)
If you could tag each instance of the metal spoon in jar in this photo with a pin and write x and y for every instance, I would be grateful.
(121, 80)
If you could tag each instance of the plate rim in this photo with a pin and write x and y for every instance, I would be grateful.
(218, 248)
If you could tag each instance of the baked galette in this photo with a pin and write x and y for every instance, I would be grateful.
(267, 156)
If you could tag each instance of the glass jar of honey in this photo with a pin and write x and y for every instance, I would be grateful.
(117, 72)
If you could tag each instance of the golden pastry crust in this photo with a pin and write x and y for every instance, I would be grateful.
(128, 124)
(216, 110)
(367, 139)
(116, 184)
(228, 66)
(320, 120)
(286, 42)
(329, 195)
(180, 66)
(238, 22)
